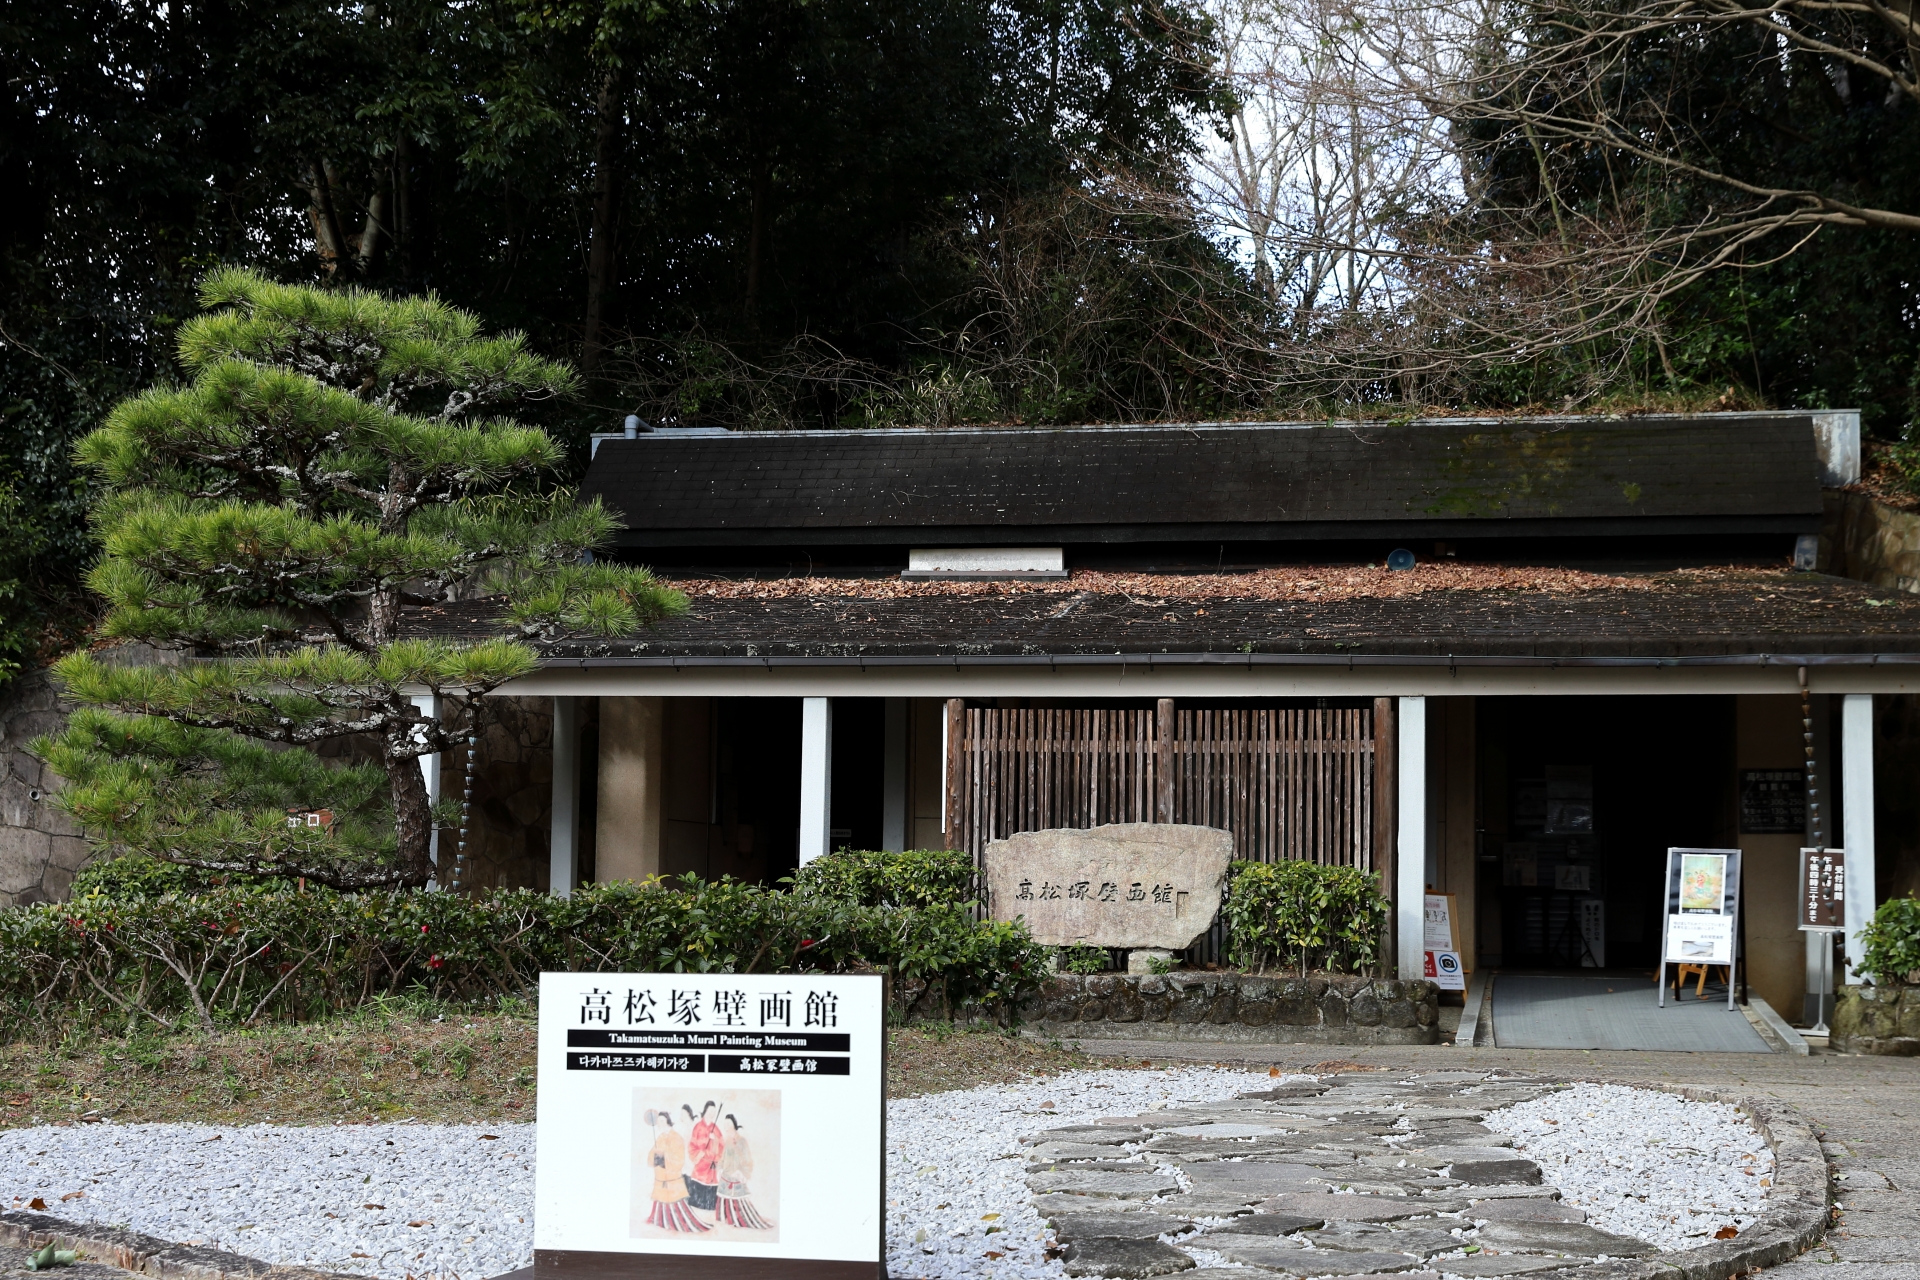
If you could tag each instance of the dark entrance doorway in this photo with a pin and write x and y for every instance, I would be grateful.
(1580, 798)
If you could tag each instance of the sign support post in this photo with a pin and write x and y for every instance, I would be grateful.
(1823, 911)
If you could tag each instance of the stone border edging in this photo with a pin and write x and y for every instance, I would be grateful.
(148, 1255)
(1801, 1185)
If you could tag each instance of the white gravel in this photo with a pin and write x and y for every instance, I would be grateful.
(446, 1201)
(379, 1200)
(956, 1173)
(1644, 1163)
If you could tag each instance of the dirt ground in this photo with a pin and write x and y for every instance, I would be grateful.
(389, 1065)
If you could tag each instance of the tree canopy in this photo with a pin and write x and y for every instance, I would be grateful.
(334, 464)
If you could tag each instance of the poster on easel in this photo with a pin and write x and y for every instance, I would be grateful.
(1702, 910)
(1442, 942)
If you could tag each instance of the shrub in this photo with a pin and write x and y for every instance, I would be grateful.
(207, 957)
(1892, 941)
(1331, 918)
(915, 878)
(1081, 959)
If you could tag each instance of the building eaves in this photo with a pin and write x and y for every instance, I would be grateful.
(1729, 617)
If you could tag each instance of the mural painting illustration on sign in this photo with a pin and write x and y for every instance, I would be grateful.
(695, 1174)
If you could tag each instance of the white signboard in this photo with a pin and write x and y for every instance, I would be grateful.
(714, 1118)
(1445, 971)
(1701, 939)
(1439, 923)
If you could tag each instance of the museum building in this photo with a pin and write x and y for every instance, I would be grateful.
(1509, 660)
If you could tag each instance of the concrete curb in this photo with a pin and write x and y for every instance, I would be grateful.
(1796, 1217)
(148, 1255)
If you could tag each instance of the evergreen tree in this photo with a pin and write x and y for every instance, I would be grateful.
(279, 530)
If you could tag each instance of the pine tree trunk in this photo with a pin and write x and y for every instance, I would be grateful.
(412, 814)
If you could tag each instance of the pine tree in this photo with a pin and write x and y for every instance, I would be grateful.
(277, 530)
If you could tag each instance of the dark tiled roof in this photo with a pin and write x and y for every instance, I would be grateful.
(1441, 478)
(1678, 615)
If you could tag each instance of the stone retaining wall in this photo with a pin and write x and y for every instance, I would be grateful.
(1318, 1009)
(40, 847)
(1878, 1019)
(1867, 540)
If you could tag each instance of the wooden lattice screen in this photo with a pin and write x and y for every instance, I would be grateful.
(1288, 782)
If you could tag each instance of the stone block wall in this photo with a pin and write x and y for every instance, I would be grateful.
(1878, 1020)
(40, 847)
(1867, 540)
(510, 841)
(1203, 1005)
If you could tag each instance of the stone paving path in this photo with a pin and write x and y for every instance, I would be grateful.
(1865, 1109)
(1354, 1175)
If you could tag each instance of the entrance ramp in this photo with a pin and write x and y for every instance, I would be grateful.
(1613, 1011)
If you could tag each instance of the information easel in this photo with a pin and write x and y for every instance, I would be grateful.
(1702, 908)
(1823, 910)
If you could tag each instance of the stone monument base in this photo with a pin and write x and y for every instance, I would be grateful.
(1250, 1008)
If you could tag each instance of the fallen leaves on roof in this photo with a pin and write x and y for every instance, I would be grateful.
(1296, 582)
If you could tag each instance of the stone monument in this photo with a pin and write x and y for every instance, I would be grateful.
(1137, 885)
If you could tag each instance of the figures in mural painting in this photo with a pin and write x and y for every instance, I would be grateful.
(736, 1166)
(668, 1160)
(703, 1151)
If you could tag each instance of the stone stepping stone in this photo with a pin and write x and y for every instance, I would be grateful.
(1535, 1209)
(1332, 1208)
(1561, 1237)
(1412, 1160)
(1282, 1092)
(1480, 1266)
(1092, 1166)
(1510, 1191)
(1487, 1165)
(1254, 1179)
(1191, 1206)
(1114, 1186)
(1096, 1134)
(1281, 1254)
(1421, 1117)
(1114, 1226)
(1047, 1206)
(1268, 1224)
(1362, 1237)
(1369, 1187)
(1124, 1259)
(1072, 1151)
(1227, 1129)
(1233, 1273)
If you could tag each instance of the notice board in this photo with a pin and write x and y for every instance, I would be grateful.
(711, 1125)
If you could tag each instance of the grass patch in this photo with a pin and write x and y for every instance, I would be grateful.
(396, 1059)
(391, 1060)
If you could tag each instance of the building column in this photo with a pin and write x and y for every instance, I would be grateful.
(563, 848)
(632, 777)
(1410, 854)
(428, 705)
(1856, 798)
(816, 778)
(893, 796)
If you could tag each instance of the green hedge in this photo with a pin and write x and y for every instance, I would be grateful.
(211, 956)
(1306, 915)
(915, 878)
(1892, 941)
